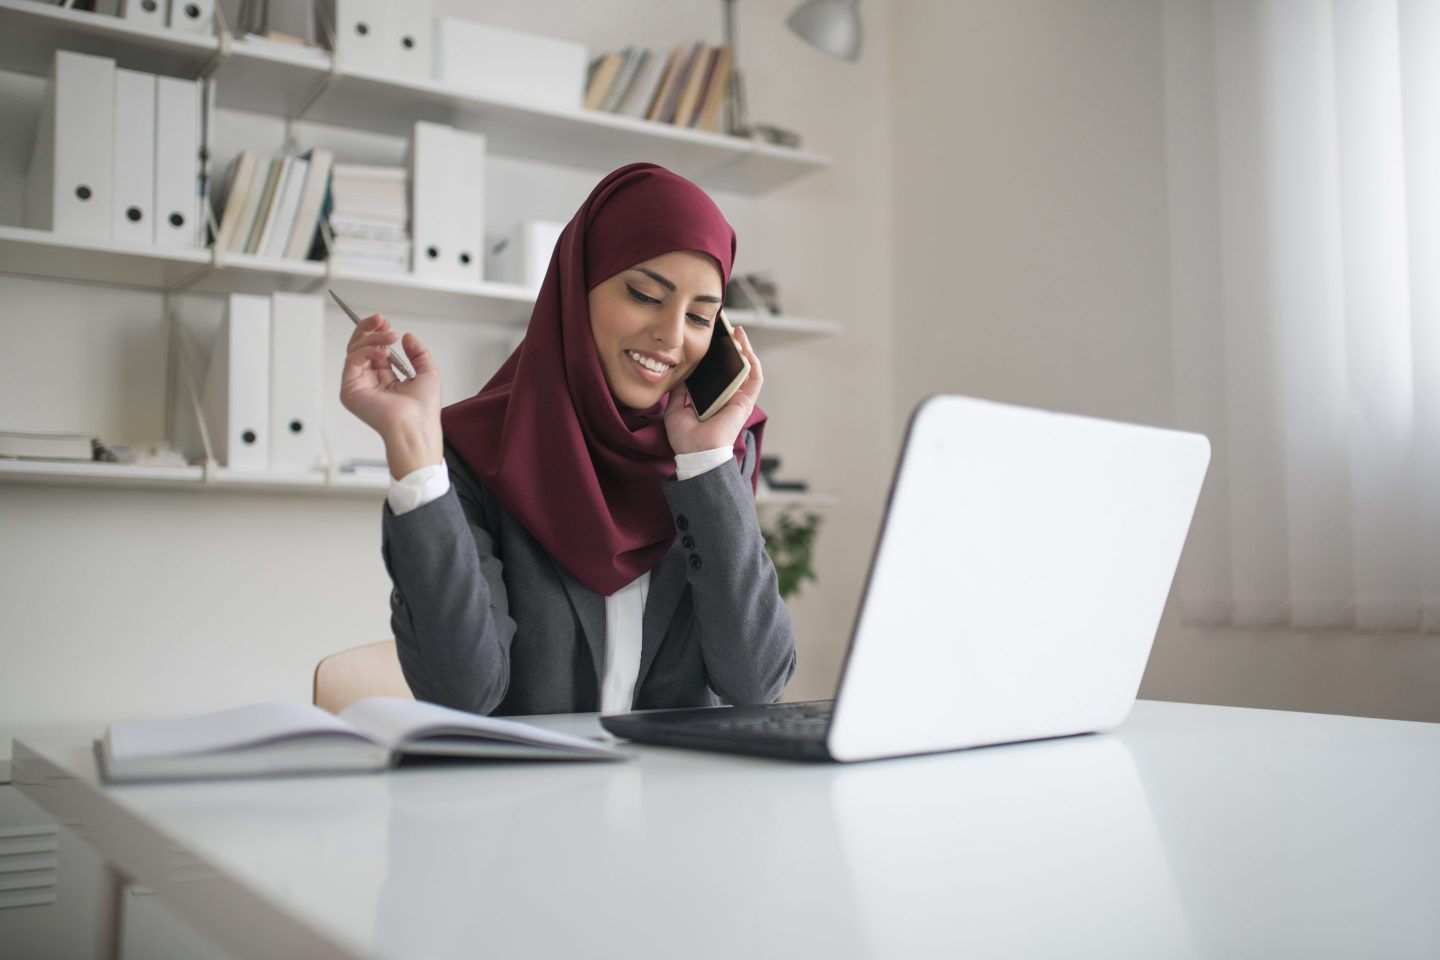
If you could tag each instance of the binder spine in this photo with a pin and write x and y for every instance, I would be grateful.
(133, 210)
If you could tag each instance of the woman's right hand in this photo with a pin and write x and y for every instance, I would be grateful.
(405, 413)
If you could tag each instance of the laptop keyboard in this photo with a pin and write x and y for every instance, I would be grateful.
(805, 724)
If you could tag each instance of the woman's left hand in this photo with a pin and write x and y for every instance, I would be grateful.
(683, 426)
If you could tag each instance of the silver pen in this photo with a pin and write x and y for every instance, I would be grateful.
(398, 360)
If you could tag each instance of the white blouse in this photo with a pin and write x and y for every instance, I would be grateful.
(624, 609)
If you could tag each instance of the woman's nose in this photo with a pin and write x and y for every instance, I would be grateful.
(670, 329)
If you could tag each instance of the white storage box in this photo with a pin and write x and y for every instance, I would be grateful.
(509, 65)
(524, 254)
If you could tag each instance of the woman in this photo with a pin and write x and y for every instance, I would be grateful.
(573, 538)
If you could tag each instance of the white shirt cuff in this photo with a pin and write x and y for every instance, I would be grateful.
(689, 465)
(417, 488)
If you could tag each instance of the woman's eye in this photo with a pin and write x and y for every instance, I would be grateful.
(702, 321)
(639, 297)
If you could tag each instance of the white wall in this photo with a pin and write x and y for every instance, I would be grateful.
(144, 603)
(1031, 266)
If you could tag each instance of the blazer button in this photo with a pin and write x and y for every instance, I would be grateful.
(683, 522)
(694, 561)
(687, 541)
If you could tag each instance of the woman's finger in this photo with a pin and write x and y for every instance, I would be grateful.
(380, 363)
(756, 379)
(370, 324)
(376, 338)
(420, 357)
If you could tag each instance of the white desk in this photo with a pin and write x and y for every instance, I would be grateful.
(1193, 831)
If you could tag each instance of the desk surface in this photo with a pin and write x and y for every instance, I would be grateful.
(1192, 831)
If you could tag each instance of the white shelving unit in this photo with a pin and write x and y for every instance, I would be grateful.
(43, 254)
(78, 473)
(292, 82)
(270, 78)
(369, 483)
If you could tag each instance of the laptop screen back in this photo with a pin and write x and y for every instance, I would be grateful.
(1018, 581)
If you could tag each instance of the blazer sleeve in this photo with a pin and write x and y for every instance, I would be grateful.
(448, 606)
(746, 639)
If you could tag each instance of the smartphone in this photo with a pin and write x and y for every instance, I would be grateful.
(720, 372)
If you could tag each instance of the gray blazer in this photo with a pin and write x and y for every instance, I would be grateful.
(486, 620)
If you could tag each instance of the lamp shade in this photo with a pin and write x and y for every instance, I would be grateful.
(831, 25)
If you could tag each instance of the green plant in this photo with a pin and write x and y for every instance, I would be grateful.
(790, 541)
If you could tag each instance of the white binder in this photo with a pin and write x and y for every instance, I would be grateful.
(433, 200)
(237, 385)
(468, 222)
(69, 186)
(360, 28)
(524, 255)
(177, 162)
(407, 38)
(133, 204)
(297, 356)
(192, 16)
(149, 14)
(510, 65)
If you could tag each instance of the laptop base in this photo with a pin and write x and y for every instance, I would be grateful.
(794, 731)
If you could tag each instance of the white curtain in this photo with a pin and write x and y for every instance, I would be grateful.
(1303, 142)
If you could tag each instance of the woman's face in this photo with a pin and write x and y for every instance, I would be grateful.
(652, 324)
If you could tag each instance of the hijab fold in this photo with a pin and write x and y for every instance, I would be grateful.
(545, 435)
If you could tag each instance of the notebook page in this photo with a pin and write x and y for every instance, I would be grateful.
(394, 720)
(223, 730)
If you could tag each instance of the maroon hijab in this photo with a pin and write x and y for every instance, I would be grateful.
(545, 435)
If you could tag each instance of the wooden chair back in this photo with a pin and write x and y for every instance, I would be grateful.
(369, 671)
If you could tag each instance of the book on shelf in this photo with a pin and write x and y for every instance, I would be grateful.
(685, 87)
(667, 84)
(602, 74)
(694, 84)
(312, 197)
(282, 213)
(264, 197)
(623, 79)
(637, 100)
(272, 204)
(290, 737)
(712, 101)
(684, 66)
(237, 193)
(21, 445)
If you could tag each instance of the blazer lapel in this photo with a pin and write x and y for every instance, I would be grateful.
(590, 610)
(667, 585)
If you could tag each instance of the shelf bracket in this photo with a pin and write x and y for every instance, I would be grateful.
(332, 469)
(224, 40)
(186, 364)
(329, 80)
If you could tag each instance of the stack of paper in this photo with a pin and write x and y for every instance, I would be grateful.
(367, 216)
(46, 446)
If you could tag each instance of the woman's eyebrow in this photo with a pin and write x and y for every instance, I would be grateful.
(668, 285)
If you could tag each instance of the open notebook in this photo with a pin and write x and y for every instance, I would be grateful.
(284, 737)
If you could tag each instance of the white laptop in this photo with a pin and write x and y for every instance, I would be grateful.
(1014, 593)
